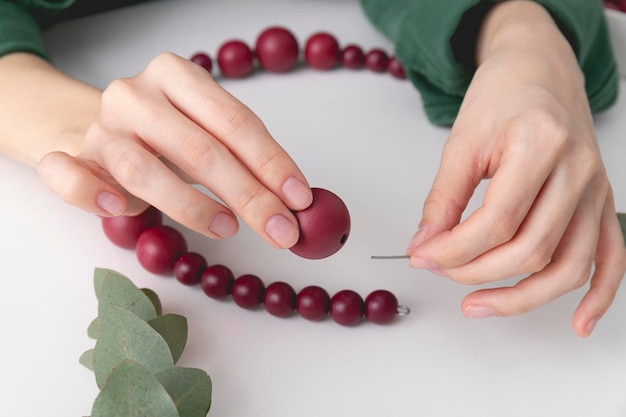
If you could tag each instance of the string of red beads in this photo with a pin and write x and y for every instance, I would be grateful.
(162, 250)
(276, 50)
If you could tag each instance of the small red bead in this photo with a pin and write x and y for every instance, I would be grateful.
(395, 68)
(158, 247)
(381, 306)
(313, 303)
(189, 267)
(235, 59)
(376, 60)
(346, 308)
(203, 60)
(247, 291)
(352, 57)
(124, 231)
(216, 281)
(277, 49)
(321, 51)
(279, 299)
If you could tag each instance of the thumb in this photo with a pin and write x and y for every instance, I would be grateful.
(84, 185)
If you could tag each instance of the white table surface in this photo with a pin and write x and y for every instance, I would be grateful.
(365, 137)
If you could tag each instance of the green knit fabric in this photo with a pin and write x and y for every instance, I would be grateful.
(422, 31)
(21, 23)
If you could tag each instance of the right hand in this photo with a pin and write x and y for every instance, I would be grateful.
(167, 127)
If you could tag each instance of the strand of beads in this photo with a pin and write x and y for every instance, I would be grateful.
(162, 250)
(277, 50)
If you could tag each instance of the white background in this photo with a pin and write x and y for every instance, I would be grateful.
(359, 134)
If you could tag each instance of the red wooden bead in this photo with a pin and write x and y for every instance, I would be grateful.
(158, 247)
(279, 299)
(352, 57)
(376, 60)
(381, 306)
(247, 291)
(189, 267)
(321, 51)
(346, 308)
(216, 281)
(235, 59)
(203, 60)
(313, 303)
(124, 231)
(395, 68)
(277, 49)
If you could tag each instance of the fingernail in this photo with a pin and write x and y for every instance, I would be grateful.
(591, 325)
(422, 263)
(297, 194)
(479, 312)
(282, 231)
(417, 239)
(223, 225)
(111, 203)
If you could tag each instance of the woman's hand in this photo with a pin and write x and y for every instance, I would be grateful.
(167, 127)
(548, 210)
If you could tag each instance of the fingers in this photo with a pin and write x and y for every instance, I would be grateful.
(235, 126)
(527, 204)
(81, 186)
(570, 269)
(610, 265)
(174, 110)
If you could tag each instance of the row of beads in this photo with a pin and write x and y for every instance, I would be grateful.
(277, 50)
(615, 5)
(162, 250)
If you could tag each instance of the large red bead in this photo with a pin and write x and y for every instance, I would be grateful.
(381, 306)
(277, 49)
(158, 248)
(235, 59)
(324, 226)
(216, 281)
(346, 308)
(321, 51)
(313, 303)
(188, 268)
(279, 299)
(124, 231)
(247, 291)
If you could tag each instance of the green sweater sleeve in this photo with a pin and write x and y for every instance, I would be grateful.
(423, 30)
(21, 23)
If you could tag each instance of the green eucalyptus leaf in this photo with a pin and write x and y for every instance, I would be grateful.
(98, 278)
(622, 222)
(119, 290)
(173, 328)
(190, 388)
(133, 391)
(156, 302)
(125, 335)
(86, 359)
(93, 331)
